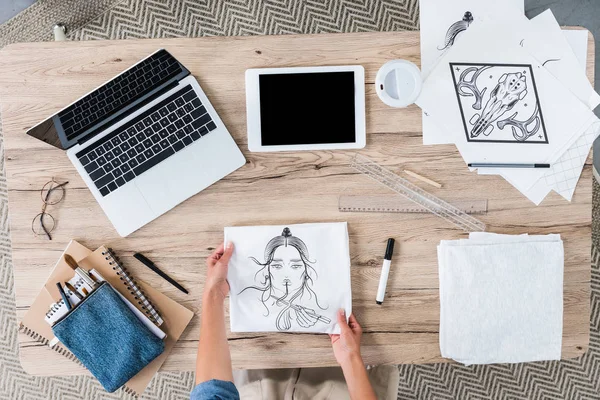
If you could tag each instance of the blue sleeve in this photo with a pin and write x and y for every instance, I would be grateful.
(215, 390)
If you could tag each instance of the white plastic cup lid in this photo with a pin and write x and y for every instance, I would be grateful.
(398, 83)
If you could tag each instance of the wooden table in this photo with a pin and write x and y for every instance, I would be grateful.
(38, 79)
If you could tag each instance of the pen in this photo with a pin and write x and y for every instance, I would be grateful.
(385, 271)
(63, 295)
(154, 268)
(495, 165)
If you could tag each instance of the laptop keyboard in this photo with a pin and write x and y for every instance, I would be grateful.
(118, 93)
(153, 136)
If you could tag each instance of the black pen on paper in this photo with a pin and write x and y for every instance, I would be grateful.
(492, 165)
(385, 271)
(64, 296)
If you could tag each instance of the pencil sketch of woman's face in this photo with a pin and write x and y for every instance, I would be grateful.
(285, 281)
(286, 269)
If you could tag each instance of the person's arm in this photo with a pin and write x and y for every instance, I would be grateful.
(346, 348)
(214, 360)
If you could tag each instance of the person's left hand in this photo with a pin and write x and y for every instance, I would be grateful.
(216, 274)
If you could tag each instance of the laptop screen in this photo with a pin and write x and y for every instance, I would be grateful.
(111, 102)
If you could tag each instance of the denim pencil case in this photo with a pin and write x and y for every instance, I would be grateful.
(107, 337)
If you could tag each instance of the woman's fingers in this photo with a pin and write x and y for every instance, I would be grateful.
(354, 325)
(341, 319)
(353, 322)
(215, 256)
(226, 255)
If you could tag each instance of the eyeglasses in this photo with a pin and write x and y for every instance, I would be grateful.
(52, 193)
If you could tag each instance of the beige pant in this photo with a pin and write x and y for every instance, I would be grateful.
(311, 383)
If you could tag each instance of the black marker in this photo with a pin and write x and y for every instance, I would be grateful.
(385, 271)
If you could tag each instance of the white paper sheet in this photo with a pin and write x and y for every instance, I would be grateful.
(507, 75)
(565, 172)
(516, 279)
(563, 176)
(544, 39)
(578, 41)
(289, 278)
(442, 21)
(547, 42)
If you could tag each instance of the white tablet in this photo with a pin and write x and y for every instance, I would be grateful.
(306, 108)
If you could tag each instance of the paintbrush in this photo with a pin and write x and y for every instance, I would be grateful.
(72, 289)
(82, 273)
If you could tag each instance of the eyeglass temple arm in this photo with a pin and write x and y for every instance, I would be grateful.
(53, 188)
(44, 226)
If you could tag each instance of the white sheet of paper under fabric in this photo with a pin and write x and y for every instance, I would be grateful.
(289, 278)
(501, 298)
(442, 21)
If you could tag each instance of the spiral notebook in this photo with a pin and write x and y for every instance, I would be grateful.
(59, 309)
(155, 306)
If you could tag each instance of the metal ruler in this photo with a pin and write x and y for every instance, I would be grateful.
(417, 195)
(398, 204)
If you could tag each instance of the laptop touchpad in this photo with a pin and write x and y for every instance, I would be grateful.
(170, 182)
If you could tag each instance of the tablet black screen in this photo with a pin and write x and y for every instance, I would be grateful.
(307, 108)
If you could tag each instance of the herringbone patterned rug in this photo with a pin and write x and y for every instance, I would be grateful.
(122, 19)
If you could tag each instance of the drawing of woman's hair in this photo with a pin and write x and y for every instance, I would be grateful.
(284, 318)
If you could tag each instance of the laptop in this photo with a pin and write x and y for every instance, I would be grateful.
(144, 141)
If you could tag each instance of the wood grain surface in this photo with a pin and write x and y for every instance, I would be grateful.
(38, 79)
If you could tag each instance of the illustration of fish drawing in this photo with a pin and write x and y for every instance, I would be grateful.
(457, 28)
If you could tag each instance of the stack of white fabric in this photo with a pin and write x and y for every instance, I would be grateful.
(501, 298)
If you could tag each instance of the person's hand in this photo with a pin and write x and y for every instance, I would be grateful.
(346, 345)
(216, 273)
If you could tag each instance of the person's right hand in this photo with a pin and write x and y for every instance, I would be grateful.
(346, 345)
(216, 285)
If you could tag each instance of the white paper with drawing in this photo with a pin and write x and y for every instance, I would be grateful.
(545, 41)
(499, 103)
(563, 53)
(442, 23)
(289, 278)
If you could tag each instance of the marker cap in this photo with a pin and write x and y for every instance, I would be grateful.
(389, 249)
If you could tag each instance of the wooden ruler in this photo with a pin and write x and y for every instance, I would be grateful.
(399, 204)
